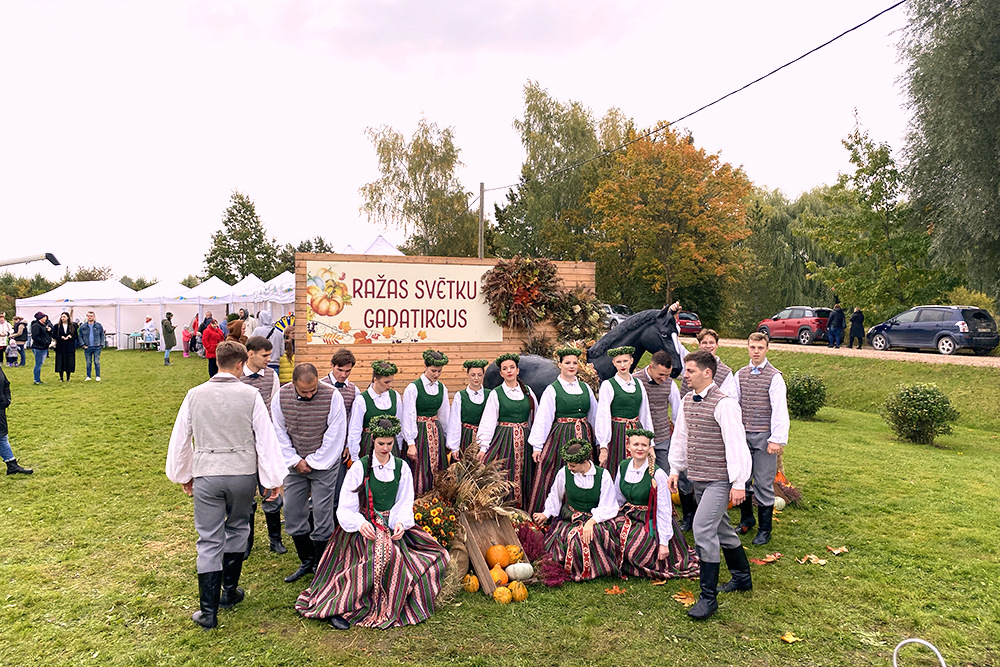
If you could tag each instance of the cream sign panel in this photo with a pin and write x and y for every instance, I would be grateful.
(360, 303)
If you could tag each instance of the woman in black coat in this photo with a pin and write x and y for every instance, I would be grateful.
(65, 334)
(857, 327)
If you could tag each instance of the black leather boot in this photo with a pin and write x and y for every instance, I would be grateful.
(707, 604)
(209, 589)
(232, 567)
(689, 506)
(273, 520)
(307, 558)
(13, 468)
(746, 515)
(739, 568)
(253, 520)
(766, 513)
(319, 548)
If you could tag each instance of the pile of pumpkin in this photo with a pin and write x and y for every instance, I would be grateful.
(507, 572)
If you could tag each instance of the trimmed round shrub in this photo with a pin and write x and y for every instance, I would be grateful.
(806, 395)
(919, 412)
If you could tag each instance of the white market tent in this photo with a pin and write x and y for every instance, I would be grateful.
(167, 297)
(213, 290)
(277, 295)
(244, 293)
(382, 247)
(104, 297)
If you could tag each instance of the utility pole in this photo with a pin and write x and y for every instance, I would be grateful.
(482, 206)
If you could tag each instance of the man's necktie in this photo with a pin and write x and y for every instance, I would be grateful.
(339, 385)
(754, 371)
(697, 398)
(255, 375)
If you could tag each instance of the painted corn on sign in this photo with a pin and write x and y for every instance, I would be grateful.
(362, 303)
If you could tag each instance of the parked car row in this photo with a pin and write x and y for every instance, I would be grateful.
(802, 323)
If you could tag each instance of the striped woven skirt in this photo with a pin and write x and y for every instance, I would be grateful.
(639, 547)
(431, 454)
(618, 446)
(551, 462)
(469, 433)
(377, 583)
(582, 560)
(510, 445)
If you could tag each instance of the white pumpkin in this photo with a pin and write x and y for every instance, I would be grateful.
(520, 571)
(779, 503)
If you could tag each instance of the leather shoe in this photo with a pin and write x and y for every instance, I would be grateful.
(763, 537)
(339, 622)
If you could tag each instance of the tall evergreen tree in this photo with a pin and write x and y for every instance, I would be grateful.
(242, 246)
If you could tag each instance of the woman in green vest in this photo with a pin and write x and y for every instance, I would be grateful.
(503, 430)
(425, 422)
(651, 543)
(467, 406)
(380, 570)
(582, 504)
(567, 409)
(621, 404)
(379, 399)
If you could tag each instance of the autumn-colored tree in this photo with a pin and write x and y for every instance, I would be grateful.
(671, 218)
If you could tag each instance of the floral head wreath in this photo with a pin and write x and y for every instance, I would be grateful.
(383, 368)
(508, 356)
(384, 426)
(624, 349)
(475, 363)
(567, 351)
(583, 455)
(435, 358)
(629, 432)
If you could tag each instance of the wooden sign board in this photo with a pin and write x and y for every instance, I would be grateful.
(480, 536)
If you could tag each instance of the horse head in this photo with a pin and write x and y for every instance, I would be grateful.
(647, 331)
(661, 334)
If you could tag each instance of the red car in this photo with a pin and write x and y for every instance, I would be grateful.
(802, 323)
(688, 323)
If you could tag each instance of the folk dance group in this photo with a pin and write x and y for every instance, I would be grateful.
(600, 468)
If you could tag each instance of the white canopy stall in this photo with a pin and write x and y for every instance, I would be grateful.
(244, 294)
(277, 296)
(104, 297)
(213, 293)
(167, 296)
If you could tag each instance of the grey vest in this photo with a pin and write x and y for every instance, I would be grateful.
(264, 384)
(222, 421)
(754, 399)
(658, 396)
(348, 392)
(721, 373)
(306, 421)
(706, 450)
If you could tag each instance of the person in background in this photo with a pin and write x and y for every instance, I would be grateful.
(266, 329)
(169, 337)
(708, 340)
(425, 422)
(468, 405)
(857, 328)
(236, 332)
(65, 335)
(41, 338)
(5, 450)
(341, 364)
(286, 363)
(91, 337)
(379, 399)
(205, 322)
(20, 336)
(11, 355)
(149, 331)
(835, 327)
(211, 339)
(186, 340)
(6, 331)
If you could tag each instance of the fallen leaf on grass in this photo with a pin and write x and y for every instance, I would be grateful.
(770, 558)
(685, 597)
(838, 550)
(811, 558)
(789, 638)
(661, 582)
(614, 590)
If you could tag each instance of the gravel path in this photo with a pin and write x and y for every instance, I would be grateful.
(963, 358)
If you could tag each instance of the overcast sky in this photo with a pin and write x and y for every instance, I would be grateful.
(125, 126)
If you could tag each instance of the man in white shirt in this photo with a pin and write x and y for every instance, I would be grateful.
(234, 444)
(710, 444)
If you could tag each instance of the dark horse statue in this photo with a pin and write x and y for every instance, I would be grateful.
(648, 331)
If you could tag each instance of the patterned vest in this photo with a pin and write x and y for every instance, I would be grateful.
(754, 399)
(348, 392)
(571, 406)
(472, 413)
(583, 500)
(264, 384)
(706, 451)
(637, 493)
(510, 411)
(306, 421)
(658, 395)
(427, 405)
(721, 373)
(222, 422)
(383, 493)
(625, 405)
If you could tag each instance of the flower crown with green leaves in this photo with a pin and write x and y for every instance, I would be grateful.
(475, 363)
(567, 351)
(624, 349)
(508, 356)
(383, 368)
(384, 426)
(586, 449)
(629, 432)
(431, 360)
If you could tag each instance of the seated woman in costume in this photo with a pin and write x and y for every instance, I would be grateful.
(651, 544)
(379, 570)
(582, 500)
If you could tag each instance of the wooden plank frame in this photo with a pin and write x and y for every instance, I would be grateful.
(480, 536)
(407, 356)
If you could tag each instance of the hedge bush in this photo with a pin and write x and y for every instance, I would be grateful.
(806, 395)
(919, 412)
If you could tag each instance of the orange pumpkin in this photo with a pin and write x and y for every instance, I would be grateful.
(499, 576)
(470, 583)
(518, 591)
(497, 554)
(502, 595)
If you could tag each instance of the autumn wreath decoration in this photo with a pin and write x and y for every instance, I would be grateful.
(519, 291)
(437, 518)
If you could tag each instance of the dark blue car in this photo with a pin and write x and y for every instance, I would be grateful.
(944, 328)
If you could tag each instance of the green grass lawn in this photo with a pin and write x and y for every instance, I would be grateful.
(98, 548)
